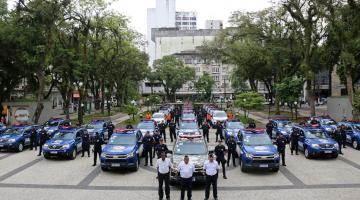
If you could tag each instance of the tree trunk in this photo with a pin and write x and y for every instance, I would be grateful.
(311, 96)
(40, 106)
(349, 85)
(102, 97)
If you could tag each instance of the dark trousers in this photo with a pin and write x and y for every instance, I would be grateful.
(200, 123)
(344, 142)
(33, 143)
(186, 184)
(163, 135)
(164, 178)
(222, 162)
(40, 148)
(233, 155)
(294, 146)
(148, 152)
(96, 153)
(172, 135)
(206, 135)
(219, 134)
(85, 150)
(211, 180)
(154, 151)
(109, 134)
(269, 133)
(340, 146)
(282, 154)
(177, 121)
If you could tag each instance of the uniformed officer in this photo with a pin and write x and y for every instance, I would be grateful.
(129, 126)
(85, 144)
(161, 148)
(281, 144)
(219, 130)
(162, 128)
(148, 142)
(172, 128)
(33, 139)
(343, 135)
(252, 124)
(231, 143)
(205, 127)
(199, 119)
(220, 156)
(164, 165)
(338, 139)
(294, 139)
(110, 128)
(269, 129)
(211, 168)
(177, 116)
(43, 138)
(157, 138)
(186, 170)
(98, 141)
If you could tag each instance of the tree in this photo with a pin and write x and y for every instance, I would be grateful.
(204, 85)
(248, 101)
(289, 91)
(173, 74)
(131, 110)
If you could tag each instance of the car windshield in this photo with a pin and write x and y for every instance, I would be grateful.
(95, 126)
(188, 116)
(234, 125)
(357, 127)
(188, 125)
(191, 148)
(126, 139)
(220, 114)
(328, 122)
(13, 131)
(146, 126)
(158, 115)
(315, 134)
(257, 140)
(51, 123)
(64, 136)
(284, 124)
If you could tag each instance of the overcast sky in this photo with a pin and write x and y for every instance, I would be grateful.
(206, 9)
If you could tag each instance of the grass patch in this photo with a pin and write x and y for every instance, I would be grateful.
(247, 120)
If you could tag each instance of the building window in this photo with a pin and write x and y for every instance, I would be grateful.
(193, 18)
(188, 61)
(216, 78)
(185, 18)
(193, 23)
(178, 23)
(185, 23)
(216, 69)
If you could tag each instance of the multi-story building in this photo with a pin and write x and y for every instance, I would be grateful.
(214, 24)
(186, 20)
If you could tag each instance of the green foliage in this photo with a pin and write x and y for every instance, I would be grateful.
(357, 103)
(249, 101)
(154, 100)
(204, 85)
(131, 110)
(289, 90)
(173, 74)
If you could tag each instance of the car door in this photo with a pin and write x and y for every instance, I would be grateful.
(349, 133)
(78, 139)
(274, 130)
(26, 136)
(139, 145)
(301, 139)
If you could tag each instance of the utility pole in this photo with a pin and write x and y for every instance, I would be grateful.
(225, 91)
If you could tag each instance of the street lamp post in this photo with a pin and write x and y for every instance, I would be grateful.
(295, 103)
(244, 100)
(269, 108)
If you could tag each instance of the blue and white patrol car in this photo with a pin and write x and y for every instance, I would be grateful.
(122, 151)
(53, 125)
(147, 125)
(98, 126)
(2, 127)
(232, 128)
(17, 137)
(352, 133)
(313, 141)
(66, 142)
(283, 127)
(188, 126)
(327, 124)
(257, 151)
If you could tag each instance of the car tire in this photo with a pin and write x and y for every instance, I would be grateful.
(307, 154)
(355, 144)
(105, 169)
(46, 156)
(20, 147)
(73, 154)
(275, 169)
(242, 167)
(136, 167)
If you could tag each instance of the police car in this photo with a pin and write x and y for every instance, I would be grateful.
(188, 126)
(188, 116)
(2, 127)
(327, 124)
(53, 124)
(98, 126)
(122, 151)
(147, 125)
(232, 128)
(313, 141)
(16, 137)
(283, 127)
(66, 142)
(257, 151)
(196, 148)
(352, 133)
(218, 116)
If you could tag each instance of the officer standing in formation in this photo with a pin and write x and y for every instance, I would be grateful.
(85, 144)
(157, 138)
(164, 165)
(231, 143)
(269, 129)
(161, 148)
(252, 125)
(220, 156)
(294, 139)
(186, 170)
(110, 128)
(172, 128)
(211, 168)
(177, 116)
(343, 135)
(43, 138)
(205, 127)
(148, 142)
(98, 141)
(219, 130)
(199, 118)
(33, 139)
(162, 128)
(281, 144)
(338, 139)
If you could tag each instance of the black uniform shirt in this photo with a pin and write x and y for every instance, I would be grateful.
(157, 138)
(281, 143)
(172, 126)
(98, 141)
(148, 141)
(205, 127)
(231, 145)
(161, 148)
(220, 151)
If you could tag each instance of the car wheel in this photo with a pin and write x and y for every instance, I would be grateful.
(136, 167)
(307, 154)
(275, 169)
(20, 147)
(46, 156)
(73, 154)
(242, 167)
(105, 169)
(355, 144)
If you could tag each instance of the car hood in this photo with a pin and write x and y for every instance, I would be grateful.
(284, 129)
(219, 118)
(118, 149)
(333, 127)
(92, 131)
(59, 142)
(51, 128)
(261, 150)
(143, 131)
(188, 130)
(197, 160)
(234, 130)
(7, 137)
(321, 141)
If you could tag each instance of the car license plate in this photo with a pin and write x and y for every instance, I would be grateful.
(328, 151)
(193, 179)
(115, 165)
(53, 152)
(264, 166)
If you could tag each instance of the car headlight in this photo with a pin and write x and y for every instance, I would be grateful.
(283, 132)
(46, 146)
(316, 146)
(130, 155)
(276, 155)
(103, 155)
(328, 129)
(11, 140)
(65, 146)
(249, 155)
(50, 131)
(230, 133)
(336, 146)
